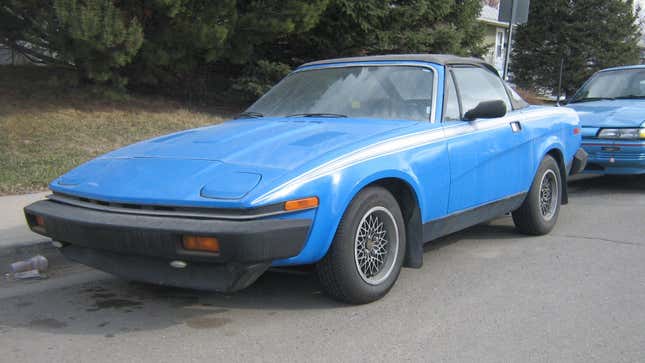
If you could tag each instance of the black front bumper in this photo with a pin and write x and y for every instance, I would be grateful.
(579, 162)
(141, 247)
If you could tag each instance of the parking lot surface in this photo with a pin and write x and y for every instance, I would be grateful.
(486, 294)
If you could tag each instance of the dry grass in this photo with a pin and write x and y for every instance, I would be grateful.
(531, 97)
(48, 126)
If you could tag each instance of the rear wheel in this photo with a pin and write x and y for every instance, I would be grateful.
(539, 212)
(366, 255)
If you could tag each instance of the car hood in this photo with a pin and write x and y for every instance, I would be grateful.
(222, 162)
(608, 113)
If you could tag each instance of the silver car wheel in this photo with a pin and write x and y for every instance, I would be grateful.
(376, 245)
(549, 195)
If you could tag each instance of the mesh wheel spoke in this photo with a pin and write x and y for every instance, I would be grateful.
(375, 252)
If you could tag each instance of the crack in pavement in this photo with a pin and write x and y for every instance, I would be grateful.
(602, 239)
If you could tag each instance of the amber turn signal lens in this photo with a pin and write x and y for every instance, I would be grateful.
(199, 243)
(40, 221)
(298, 204)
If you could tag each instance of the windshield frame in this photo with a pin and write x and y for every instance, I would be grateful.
(575, 98)
(418, 64)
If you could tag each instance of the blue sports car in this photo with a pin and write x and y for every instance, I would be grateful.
(349, 164)
(611, 107)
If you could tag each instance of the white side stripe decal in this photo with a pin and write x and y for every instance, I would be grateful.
(400, 144)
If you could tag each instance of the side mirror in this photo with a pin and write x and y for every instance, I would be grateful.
(487, 109)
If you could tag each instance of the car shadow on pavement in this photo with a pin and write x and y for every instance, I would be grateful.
(113, 306)
(608, 184)
(501, 230)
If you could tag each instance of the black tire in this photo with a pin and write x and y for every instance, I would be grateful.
(339, 271)
(531, 218)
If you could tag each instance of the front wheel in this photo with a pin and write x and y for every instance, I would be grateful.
(539, 212)
(366, 255)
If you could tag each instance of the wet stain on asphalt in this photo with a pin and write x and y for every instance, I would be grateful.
(23, 304)
(115, 304)
(47, 323)
(101, 325)
(103, 295)
(94, 289)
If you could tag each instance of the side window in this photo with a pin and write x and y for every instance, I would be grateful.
(478, 85)
(451, 105)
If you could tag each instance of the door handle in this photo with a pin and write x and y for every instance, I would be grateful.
(516, 126)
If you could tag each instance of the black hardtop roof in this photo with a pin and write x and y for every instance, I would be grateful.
(443, 59)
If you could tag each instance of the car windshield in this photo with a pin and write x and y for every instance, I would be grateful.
(384, 92)
(621, 84)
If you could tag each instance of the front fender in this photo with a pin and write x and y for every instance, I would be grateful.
(336, 192)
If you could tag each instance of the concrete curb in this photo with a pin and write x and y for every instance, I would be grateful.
(16, 240)
(36, 248)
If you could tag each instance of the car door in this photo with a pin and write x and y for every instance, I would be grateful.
(488, 157)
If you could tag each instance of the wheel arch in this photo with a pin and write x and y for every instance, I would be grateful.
(556, 153)
(407, 197)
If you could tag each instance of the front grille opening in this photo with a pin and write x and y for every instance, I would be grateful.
(595, 167)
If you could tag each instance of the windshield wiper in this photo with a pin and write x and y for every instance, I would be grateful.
(330, 115)
(249, 114)
(630, 97)
(591, 99)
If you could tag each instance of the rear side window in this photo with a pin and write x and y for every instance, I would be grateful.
(478, 85)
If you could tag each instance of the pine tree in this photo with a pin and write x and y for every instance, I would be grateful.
(351, 28)
(179, 43)
(95, 37)
(92, 36)
(588, 34)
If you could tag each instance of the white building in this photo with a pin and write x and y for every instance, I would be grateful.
(496, 35)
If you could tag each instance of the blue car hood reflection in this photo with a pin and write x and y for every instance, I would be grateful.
(608, 113)
(222, 162)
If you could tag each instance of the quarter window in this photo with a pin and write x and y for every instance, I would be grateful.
(451, 112)
(478, 85)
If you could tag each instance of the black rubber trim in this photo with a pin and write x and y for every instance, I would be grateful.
(160, 237)
(442, 59)
(468, 218)
(579, 162)
(171, 211)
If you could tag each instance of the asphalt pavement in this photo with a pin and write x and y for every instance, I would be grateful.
(486, 294)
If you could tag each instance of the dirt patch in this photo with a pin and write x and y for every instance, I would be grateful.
(47, 323)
